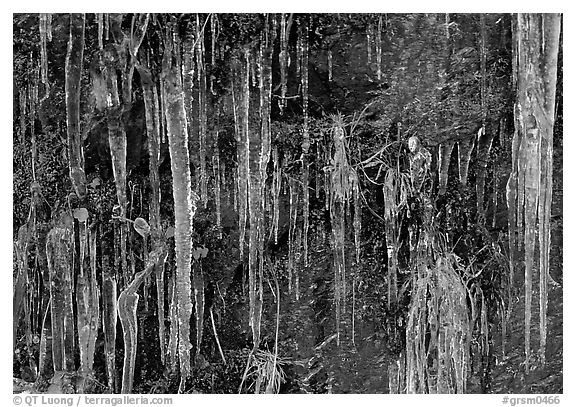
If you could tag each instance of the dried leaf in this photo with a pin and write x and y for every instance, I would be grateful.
(142, 227)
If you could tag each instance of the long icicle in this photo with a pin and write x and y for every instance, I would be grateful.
(127, 306)
(545, 200)
(188, 73)
(184, 207)
(284, 59)
(293, 193)
(276, 186)
(202, 112)
(100, 20)
(379, 50)
(238, 94)
(151, 108)
(465, 148)
(43, 48)
(217, 183)
(305, 140)
(445, 152)
(59, 247)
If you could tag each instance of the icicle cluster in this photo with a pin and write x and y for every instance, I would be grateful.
(529, 189)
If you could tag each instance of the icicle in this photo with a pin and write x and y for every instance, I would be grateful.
(100, 19)
(33, 97)
(198, 283)
(163, 130)
(87, 299)
(217, 182)
(106, 26)
(152, 113)
(465, 148)
(127, 306)
(330, 65)
(495, 187)
(299, 54)
(293, 191)
(369, 35)
(379, 49)
(445, 152)
(59, 248)
(184, 209)
(276, 186)
(240, 100)
(202, 110)
(357, 222)
(319, 169)
(392, 184)
(49, 27)
(252, 69)
(305, 140)
(213, 27)
(43, 48)
(23, 110)
(172, 351)
(284, 58)
(109, 318)
(485, 138)
(297, 256)
(188, 71)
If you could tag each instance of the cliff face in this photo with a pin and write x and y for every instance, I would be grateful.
(307, 212)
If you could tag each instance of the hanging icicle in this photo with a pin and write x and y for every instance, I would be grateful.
(284, 59)
(43, 48)
(465, 148)
(485, 138)
(59, 248)
(305, 139)
(379, 50)
(100, 20)
(213, 28)
(369, 40)
(217, 183)
(49, 27)
(202, 110)
(241, 100)
(293, 193)
(106, 26)
(23, 99)
(445, 152)
(330, 65)
(276, 186)
(87, 297)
